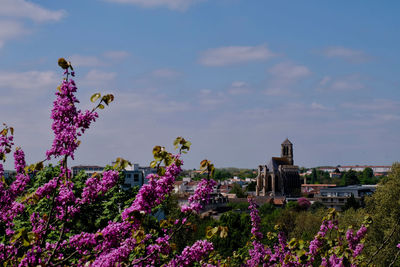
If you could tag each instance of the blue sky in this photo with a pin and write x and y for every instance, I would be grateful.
(236, 77)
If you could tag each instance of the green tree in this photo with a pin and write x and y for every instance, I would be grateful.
(351, 203)
(350, 178)
(239, 225)
(314, 176)
(367, 176)
(251, 187)
(384, 233)
(238, 190)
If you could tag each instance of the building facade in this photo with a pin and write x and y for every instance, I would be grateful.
(336, 197)
(88, 169)
(280, 177)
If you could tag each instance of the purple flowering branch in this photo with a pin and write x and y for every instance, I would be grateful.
(191, 254)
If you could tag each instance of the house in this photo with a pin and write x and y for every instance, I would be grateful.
(88, 169)
(314, 189)
(336, 197)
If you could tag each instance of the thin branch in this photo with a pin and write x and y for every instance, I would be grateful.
(395, 258)
(51, 213)
(384, 243)
(57, 245)
(154, 251)
(66, 259)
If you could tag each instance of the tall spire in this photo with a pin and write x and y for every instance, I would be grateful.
(287, 151)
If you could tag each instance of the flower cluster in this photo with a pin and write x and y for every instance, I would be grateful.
(201, 196)
(68, 121)
(354, 240)
(6, 142)
(153, 193)
(19, 160)
(11, 208)
(255, 219)
(191, 254)
(318, 240)
(95, 187)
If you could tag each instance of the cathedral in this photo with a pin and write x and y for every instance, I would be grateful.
(279, 177)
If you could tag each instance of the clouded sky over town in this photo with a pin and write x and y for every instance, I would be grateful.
(235, 77)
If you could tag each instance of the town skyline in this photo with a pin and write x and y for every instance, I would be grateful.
(234, 77)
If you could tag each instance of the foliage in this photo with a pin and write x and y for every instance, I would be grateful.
(383, 206)
(237, 189)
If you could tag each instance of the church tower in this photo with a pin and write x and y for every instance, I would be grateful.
(287, 151)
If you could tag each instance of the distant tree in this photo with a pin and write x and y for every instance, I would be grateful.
(351, 203)
(266, 208)
(222, 174)
(251, 187)
(238, 190)
(350, 178)
(242, 206)
(367, 176)
(239, 225)
(314, 176)
(317, 205)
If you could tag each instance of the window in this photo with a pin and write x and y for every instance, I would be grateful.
(136, 177)
(128, 175)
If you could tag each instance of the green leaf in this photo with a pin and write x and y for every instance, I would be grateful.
(161, 171)
(101, 106)
(4, 132)
(153, 164)
(177, 141)
(39, 166)
(63, 63)
(156, 150)
(94, 97)
(224, 232)
(108, 99)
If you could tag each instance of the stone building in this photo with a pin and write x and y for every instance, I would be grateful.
(279, 177)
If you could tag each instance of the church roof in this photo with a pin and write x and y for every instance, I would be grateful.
(275, 162)
(287, 142)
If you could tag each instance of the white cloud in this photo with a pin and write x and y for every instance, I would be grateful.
(142, 103)
(346, 83)
(32, 81)
(317, 106)
(229, 55)
(355, 56)
(289, 71)
(374, 105)
(283, 76)
(180, 5)
(239, 88)
(116, 55)
(211, 99)
(14, 11)
(11, 30)
(25, 88)
(98, 77)
(25, 9)
(165, 73)
(325, 80)
(276, 91)
(387, 117)
(85, 61)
